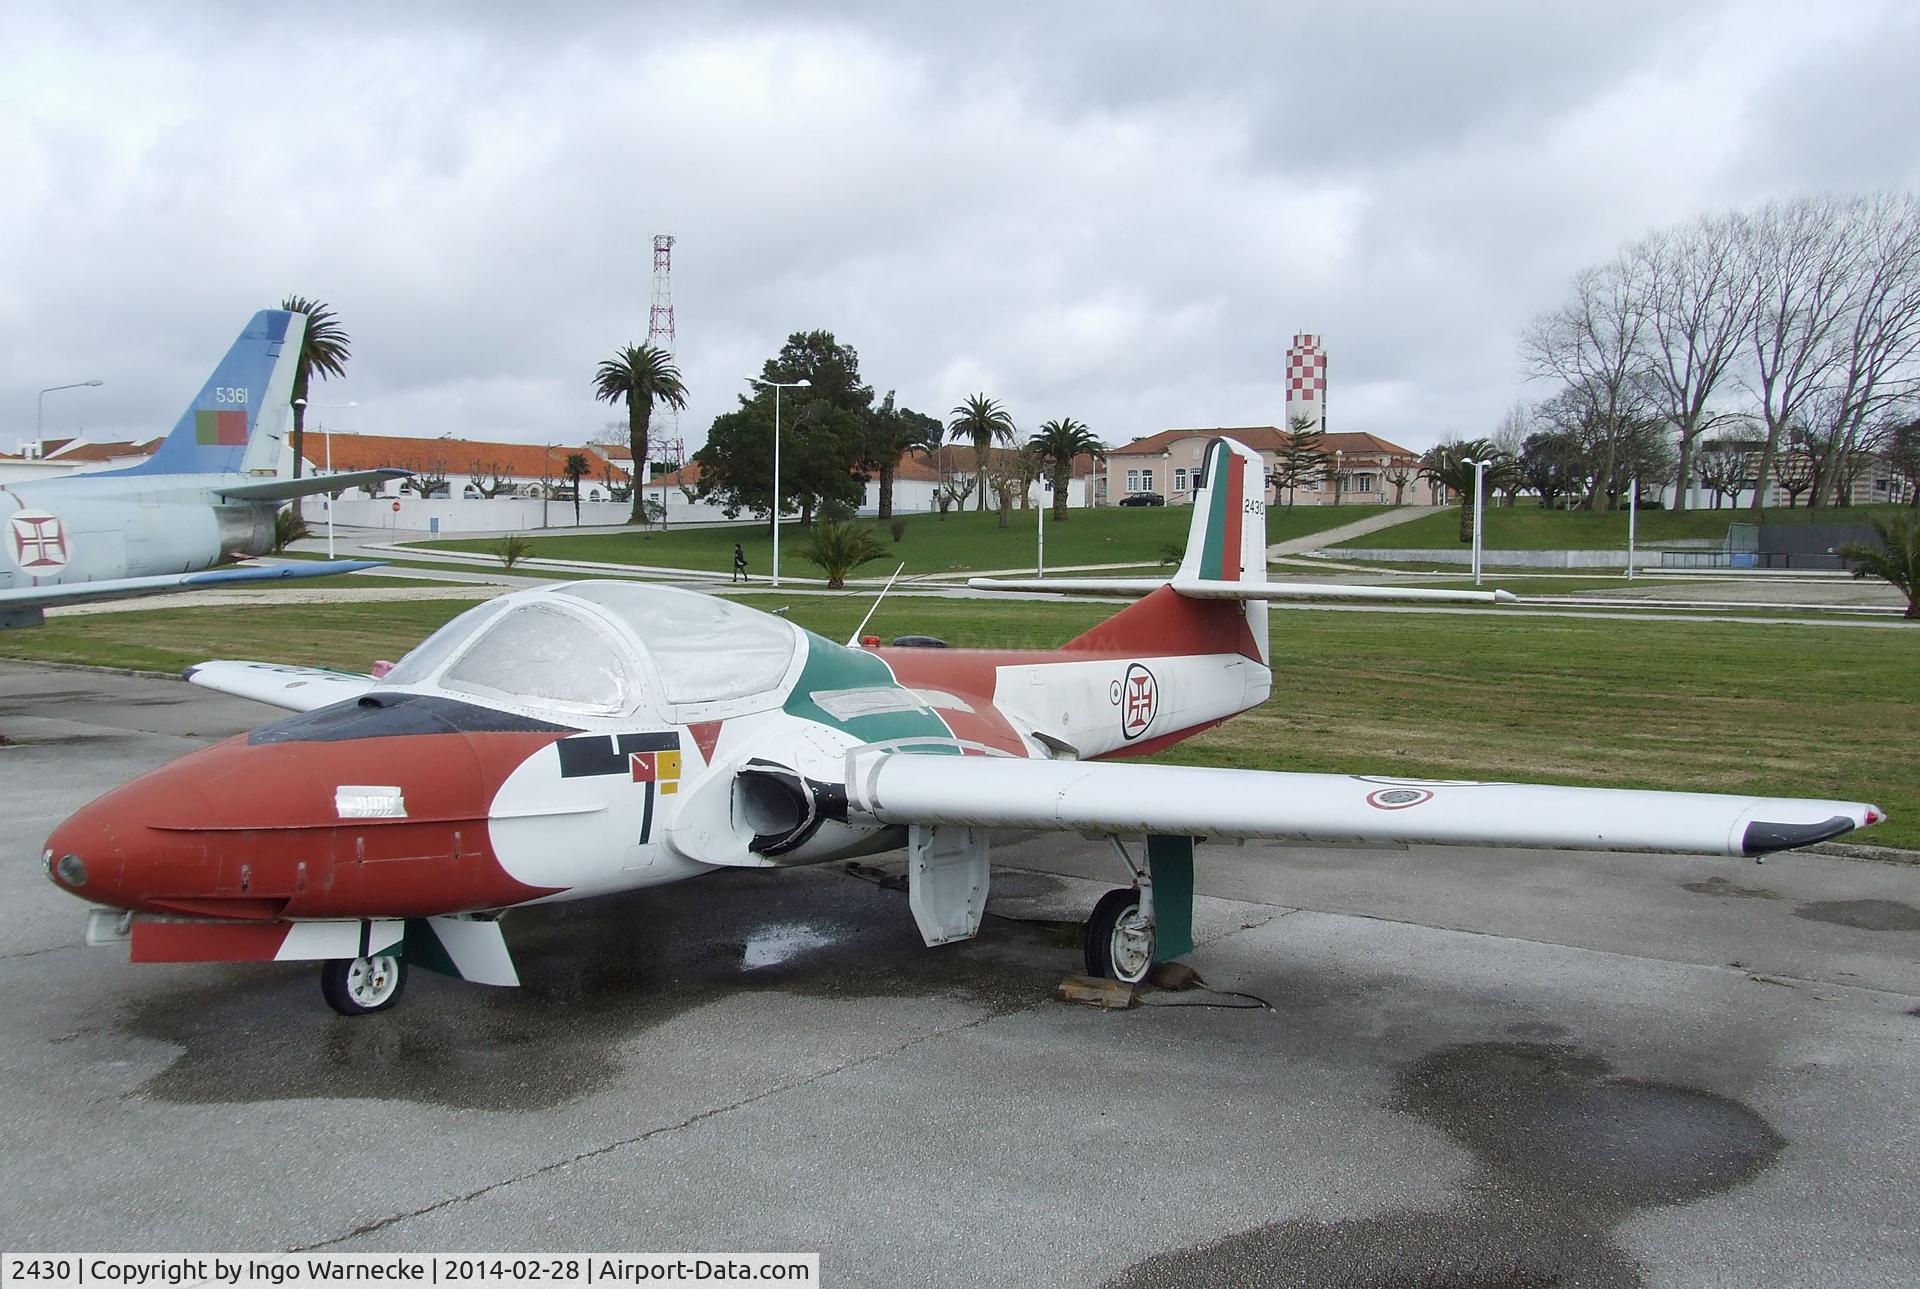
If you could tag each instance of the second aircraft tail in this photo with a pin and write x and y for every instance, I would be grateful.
(237, 424)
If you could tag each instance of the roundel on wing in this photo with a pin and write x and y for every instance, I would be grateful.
(1139, 701)
(1398, 798)
(38, 542)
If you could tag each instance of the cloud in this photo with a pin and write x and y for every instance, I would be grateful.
(1120, 215)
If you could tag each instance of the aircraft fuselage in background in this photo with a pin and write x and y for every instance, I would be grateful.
(207, 495)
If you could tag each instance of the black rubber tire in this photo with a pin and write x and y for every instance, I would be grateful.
(1113, 906)
(333, 986)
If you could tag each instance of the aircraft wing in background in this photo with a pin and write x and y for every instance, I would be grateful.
(22, 606)
(311, 485)
(298, 689)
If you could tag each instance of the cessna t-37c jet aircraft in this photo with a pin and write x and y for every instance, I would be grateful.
(577, 740)
(206, 495)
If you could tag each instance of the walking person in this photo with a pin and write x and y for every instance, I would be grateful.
(739, 564)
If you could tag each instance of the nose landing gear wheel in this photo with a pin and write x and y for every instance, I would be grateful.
(1120, 939)
(362, 986)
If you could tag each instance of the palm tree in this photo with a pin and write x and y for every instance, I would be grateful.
(981, 421)
(323, 350)
(642, 375)
(1447, 465)
(1897, 561)
(576, 469)
(1058, 443)
(840, 548)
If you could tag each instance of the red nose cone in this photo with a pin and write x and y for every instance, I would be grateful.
(372, 827)
(109, 853)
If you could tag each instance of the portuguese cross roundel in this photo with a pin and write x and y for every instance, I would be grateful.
(1139, 701)
(38, 542)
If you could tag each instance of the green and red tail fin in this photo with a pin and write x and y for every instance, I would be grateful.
(1227, 539)
(1226, 543)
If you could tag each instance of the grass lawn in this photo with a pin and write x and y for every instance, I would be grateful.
(960, 543)
(1527, 527)
(1778, 710)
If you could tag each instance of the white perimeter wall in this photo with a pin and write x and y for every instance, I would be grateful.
(413, 514)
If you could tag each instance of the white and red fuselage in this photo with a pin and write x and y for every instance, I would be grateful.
(411, 802)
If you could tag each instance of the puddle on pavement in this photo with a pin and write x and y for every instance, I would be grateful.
(1864, 915)
(594, 976)
(1565, 1150)
(1721, 886)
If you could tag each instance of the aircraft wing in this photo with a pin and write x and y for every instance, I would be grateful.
(1199, 589)
(310, 485)
(24, 602)
(1133, 799)
(298, 689)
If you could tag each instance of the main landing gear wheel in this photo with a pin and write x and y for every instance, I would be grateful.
(361, 986)
(1120, 939)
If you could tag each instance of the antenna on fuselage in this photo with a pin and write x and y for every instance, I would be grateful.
(853, 641)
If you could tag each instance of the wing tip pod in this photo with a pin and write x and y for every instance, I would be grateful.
(1765, 837)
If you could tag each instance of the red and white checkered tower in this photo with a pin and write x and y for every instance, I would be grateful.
(1307, 381)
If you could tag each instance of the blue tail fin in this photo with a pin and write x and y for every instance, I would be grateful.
(238, 421)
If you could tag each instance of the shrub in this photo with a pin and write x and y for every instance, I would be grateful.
(512, 549)
(898, 527)
(288, 527)
(840, 548)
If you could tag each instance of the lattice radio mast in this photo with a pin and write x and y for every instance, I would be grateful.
(660, 334)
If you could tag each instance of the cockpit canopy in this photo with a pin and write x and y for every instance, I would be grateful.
(606, 648)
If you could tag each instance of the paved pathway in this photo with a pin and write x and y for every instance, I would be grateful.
(1373, 523)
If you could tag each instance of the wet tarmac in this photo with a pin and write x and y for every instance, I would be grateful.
(1439, 1068)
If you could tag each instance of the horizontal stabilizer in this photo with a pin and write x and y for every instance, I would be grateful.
(1177, 800)
(298, 689)
(311, 485)
(1197, 589)
(129, 588)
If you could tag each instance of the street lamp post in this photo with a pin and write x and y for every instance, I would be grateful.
(1633, 515)
(1040, 523)
(40, 404)
(1339, 456)
(332, 496)
(776, 387)
(1479, 499)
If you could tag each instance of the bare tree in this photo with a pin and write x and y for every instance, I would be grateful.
(1875, 344)
(488, 478)
(1399, 473)
(1902, 453)
(430, 474)
(1510, 435)
(955, 491)
(1797, 255)
(1793, 470)
(1700, 303)
(1593, 346)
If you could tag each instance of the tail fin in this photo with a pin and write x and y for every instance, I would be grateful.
(1226, 542)
(1227, 539)
(238, 422)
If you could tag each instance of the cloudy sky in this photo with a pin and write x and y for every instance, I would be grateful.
(1119, 212)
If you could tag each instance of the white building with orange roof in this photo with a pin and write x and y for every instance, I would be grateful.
(1368, 469)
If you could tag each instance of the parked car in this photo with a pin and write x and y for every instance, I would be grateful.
(1143, 499)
